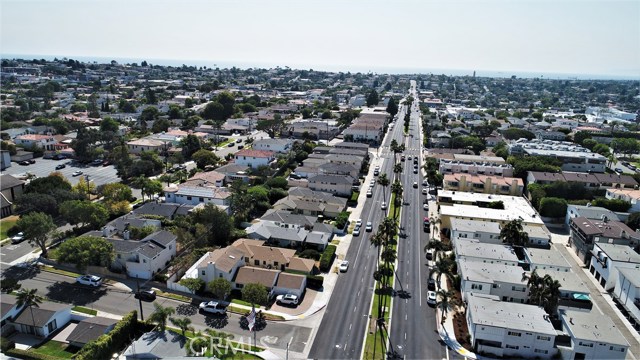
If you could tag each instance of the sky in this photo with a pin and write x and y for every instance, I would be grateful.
(546, 36)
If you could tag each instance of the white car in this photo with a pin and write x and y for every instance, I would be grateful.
(372, 183)
(369, 227)
(356, 231)
(77, 173)
(19, 237)
(212, 307)
(288, 299)
(344, 266)
(415, 184)
(383, 206)
(425, 191)
(425, 183)
(358, 223)
(432, 298)
(425, 207)
(91, 280)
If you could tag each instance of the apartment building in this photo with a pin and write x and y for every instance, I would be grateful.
(574, 157)
(586, 232)
(592, 336)
(475, 165)
(484, 184)
(608, 259)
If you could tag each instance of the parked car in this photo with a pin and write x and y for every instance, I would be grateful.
(432, 298)
(240, 146)
(61, 166)
(431, 285)
(145, 295)
(287, 299)
(97, 162)
(77, 173)
(415, 170)
(344, 266)
(356, 231)
(415, 184)
(106, 163)
(619, 170)
(90, 280)
(31, 161)
(429, 255)
(230, 144)
(425, 207)
(23, 163)
(358, 222)
(425, 191)
(17, 238)
(425, 183)
(383, 206)
(369, 193)
(239, 141)
(212, 307)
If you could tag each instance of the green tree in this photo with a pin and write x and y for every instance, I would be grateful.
(160, 315)
(373, 98)
(190, 145)
(151, 96)
(589, 143)
(617, 205)
(217, 222)
(512, 233)
(115, 192)
(150, 113)
(443, 267)
(220, 287)
(183, 324)
(84, 251)
(193, 284)
(255, 294)
(204, 158)
(392, 107)
(36, 227)
(109, 125)
(383, 180)
(553, 207)
(30, 299)
(227, 100)
(601, 149)
(153, 187)
(160, 125)
(446, 302)
(84, 213)
(213, 111)
(634, 221)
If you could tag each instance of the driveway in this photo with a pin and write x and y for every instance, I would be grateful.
(307, 301)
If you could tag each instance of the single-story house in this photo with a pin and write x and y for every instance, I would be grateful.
(90, 329)
(42, 320)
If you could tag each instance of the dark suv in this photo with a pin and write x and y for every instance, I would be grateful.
(145, 295)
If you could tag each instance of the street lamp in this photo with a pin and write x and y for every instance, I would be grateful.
(86, 178)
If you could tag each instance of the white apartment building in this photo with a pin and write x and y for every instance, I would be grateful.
(593, 336)
(574, 157)
(505, 282)
(627, 293)
(608, 259)
(509, 329)
(546, 259)
(483, 231)
(473, 250)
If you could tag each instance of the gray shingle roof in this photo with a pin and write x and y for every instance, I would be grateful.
(90, 329)
(41, 314)
(7, 182)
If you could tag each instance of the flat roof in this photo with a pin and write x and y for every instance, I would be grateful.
(475, 226)
(475, 212)
(479, 158)
(550, 257)
(633, 275)
(475, 249)
(490, 273)
(623, 253)
(509, 315)
(592, 326)
(569, 281)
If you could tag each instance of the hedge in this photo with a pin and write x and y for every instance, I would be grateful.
(327, 258)
(107, 344)
(6, 344)
(315, 281)
(29, 355)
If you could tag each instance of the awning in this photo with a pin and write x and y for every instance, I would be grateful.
(581, 297)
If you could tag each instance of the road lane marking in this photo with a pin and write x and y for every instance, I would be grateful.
(355, 308)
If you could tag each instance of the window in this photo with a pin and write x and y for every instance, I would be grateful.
(203, 273)
(545, 338)
(220, 275)
(144, 261)
(52, 325)
(275, 263)
(476, 287)
(512, 347)
(514, 333)
(188, 197)
(540, 351)
(586, 344)
(616, 348)
(201, 199)
(495, 286)
(257, 262)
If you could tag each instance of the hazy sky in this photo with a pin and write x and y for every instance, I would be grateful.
(554, 36)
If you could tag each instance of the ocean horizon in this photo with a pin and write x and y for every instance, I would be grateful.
(329, 68)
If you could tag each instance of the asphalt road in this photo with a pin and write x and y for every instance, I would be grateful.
(413, 333)
(12, 252)
(43, 167)
(341, 332)
(116, 301)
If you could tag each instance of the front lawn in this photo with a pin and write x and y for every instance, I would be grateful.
(6, 225)
(56, 349)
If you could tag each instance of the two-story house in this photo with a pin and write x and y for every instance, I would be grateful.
(198, 191)
(140, 145)
(144, 258)
(254, 158)
(280, 146)
(592, 335)
(334, 184)
(44, 142)
(11, 188)
(473, 250)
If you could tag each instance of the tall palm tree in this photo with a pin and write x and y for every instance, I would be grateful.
(512, 233)
(438, 247)
(535, 285)
(29, 298)
(161, 314)
(551, 295)
(384, 181)
(182, 323)
(443, 267)
(446, 302)
(397, 169)
(388, 255)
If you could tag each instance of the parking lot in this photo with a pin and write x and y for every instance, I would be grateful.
(43, 167)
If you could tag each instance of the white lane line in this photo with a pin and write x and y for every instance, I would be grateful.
(355, 308)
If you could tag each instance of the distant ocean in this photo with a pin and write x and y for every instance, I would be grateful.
(334, 68)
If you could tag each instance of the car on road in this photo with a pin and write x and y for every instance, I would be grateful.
(287, 299)
(358, 222)
(383, 206)
(619, 170)
(212, 307)
(369, 226)
(356, 231)
(77, 173)
(344, 266)
(31, 161)
(239, 141)
(432, 298)
(17, 238)
(90, 280)
(230, 144)
(431, 285)
(415, 184)
(402, 158)
(372, 183)
(61, 166)
(408, 157)
(425, 191)
(415, 170)
(425, 207)
(23, 163)
(145, 295)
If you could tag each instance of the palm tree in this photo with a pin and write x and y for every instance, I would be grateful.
(389, 255)
(552, 295)
(384, 181)
(182, 323)
(443, 267)
(29, 298)
(535, 285)
(140, 183)
(513, 234)
(161, 315)
(437, 247)
(397, 169)
(445, 303)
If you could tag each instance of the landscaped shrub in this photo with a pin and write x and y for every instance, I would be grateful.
(327, 258)
(315, 282)
(342, 219)
(553, 207)
(107, 344)
(6, 344)
(29, 355)
(310, 254)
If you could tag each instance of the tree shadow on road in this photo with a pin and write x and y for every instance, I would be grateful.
(21, 272)
(216, 321)
(74, 294)
(186, 310)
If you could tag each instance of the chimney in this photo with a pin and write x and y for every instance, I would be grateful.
(125, 235)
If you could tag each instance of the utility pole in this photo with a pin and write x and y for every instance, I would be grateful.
(139, 298)
(86, 178)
